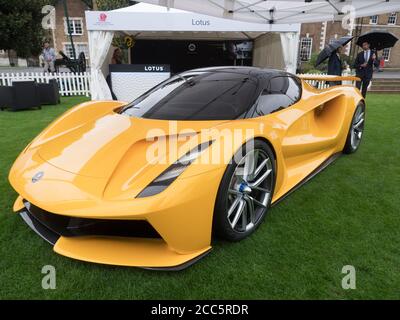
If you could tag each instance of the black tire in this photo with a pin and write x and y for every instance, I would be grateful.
(222, 227)
(351, 147)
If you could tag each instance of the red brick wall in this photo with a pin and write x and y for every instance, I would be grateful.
(76, 8)
(335, 28)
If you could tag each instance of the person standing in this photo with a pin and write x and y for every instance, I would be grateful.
(49, 57)
(381, 64)
(364, 65)
(117, 56)
(335, 66)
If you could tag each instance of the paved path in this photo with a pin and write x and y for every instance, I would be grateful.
(387, 75)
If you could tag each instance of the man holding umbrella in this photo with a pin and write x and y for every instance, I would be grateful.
(335, 65)
(367, 59)
(364, 65)
(333, 51)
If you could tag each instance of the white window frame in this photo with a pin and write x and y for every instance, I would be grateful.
(85, 51)
(373, 19)
(310, 41)
(392, 15)
(332, 40)
(388, 50)
(72, 20)
(65, 44)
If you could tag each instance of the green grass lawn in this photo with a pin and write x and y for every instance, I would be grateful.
(347, 215)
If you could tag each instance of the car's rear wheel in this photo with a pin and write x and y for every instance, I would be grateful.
(356, 130)
(245, 192)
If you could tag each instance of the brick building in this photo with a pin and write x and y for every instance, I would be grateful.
(314, 36)
(59, 36)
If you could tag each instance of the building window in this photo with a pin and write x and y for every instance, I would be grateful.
(373, 19)
(68, 51)
(76, 25)
(82, 47)
(79, 47)
(386, 54)
(392, 18)
(305, 48)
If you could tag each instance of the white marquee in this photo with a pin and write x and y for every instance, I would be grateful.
(283, 11)
(144, 17)
(148, 21)
(219, 19)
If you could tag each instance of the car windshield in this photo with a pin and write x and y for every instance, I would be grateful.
(197, 96)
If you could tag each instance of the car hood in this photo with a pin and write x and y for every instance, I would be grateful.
(96, 148)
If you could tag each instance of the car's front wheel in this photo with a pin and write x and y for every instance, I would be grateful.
(245, 192)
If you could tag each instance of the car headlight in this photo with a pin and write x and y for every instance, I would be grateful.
(173, 171)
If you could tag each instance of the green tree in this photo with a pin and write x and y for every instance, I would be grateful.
(105, 5)
(21, 26)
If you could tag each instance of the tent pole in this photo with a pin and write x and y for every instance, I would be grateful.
(69, 29)
(356, 33)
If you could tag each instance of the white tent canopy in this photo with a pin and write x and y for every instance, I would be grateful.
(147, 21)
(142, 18)
(275, 26)
(283, 11)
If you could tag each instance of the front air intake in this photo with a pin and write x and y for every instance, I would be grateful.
(74, 227)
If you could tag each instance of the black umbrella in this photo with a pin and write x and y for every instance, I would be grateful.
(378, 40)
(331, 48)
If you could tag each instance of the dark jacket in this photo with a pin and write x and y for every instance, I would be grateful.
(334, 65)
(365, 73)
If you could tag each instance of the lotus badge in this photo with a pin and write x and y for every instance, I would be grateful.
(37, 176)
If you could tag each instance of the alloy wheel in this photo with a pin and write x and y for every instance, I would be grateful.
(357, 127)
(249, 190)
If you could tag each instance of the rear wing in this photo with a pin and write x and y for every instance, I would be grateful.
(323, 77)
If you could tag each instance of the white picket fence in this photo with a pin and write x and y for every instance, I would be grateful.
(315, 83)
(74, 84)
(70, 84)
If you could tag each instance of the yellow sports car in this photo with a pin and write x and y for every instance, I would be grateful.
(204, 153)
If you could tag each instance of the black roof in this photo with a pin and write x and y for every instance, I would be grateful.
(252, 71)
(215, 93)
